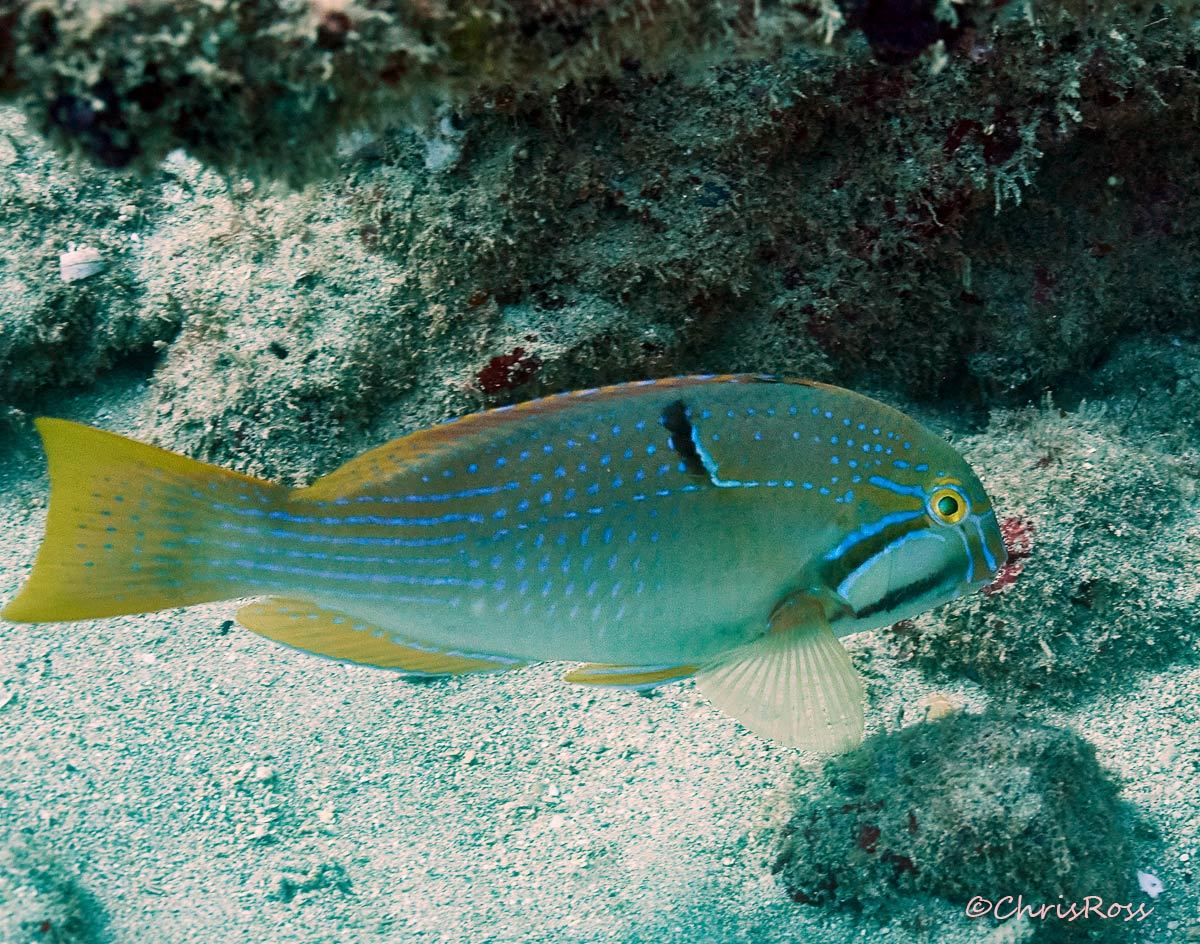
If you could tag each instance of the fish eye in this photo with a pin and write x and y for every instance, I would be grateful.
(948, 505)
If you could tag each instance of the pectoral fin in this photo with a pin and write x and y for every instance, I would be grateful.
(336, 635)
(639, 677)
(794, 685)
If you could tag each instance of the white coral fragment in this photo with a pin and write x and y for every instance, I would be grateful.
(77, 264)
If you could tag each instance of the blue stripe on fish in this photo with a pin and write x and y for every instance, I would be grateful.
(710, 465)
(331, 539)
(880, 482)
(987, 554)
(407, 579)
(452, 517)
(435, 497)
(852, 578)
(967, 550)
(870, 529)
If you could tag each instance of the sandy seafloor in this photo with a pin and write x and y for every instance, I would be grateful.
(966, 217)
(198, 785)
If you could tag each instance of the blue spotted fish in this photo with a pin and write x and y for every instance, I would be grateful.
(728, 528)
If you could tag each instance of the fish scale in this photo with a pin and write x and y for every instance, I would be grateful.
(653, 525)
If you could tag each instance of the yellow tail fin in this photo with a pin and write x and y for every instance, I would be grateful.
(122, 530)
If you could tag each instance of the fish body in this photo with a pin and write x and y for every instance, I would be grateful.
(656, 527)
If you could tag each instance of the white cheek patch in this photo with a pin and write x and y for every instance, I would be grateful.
(908, 560)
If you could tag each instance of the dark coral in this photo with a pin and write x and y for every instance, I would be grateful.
(971, 805)
(268, 86)
(508, 371)
(900, 30)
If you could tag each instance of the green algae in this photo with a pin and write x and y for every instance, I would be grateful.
(970, 805)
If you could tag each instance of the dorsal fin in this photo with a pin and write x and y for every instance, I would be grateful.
(384, 462)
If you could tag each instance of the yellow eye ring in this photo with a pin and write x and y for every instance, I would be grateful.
(948, 505)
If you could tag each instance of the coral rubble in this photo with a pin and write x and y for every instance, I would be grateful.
(966, 806)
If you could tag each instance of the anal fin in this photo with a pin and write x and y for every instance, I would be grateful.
(304, 625)
(638, 677)
(795, 685)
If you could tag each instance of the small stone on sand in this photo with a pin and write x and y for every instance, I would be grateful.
(77, 264)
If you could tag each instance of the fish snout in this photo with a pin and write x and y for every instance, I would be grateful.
(995, 552)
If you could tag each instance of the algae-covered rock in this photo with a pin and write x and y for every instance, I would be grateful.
(817, 216)
(40, 903)
(268, 85)
(56, 329)
(1100, 530)
(970, 805)
(249, 84)
(293, 331)
(979, 225)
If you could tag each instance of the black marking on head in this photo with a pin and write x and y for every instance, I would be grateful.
(891, 601)
(678, 423)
